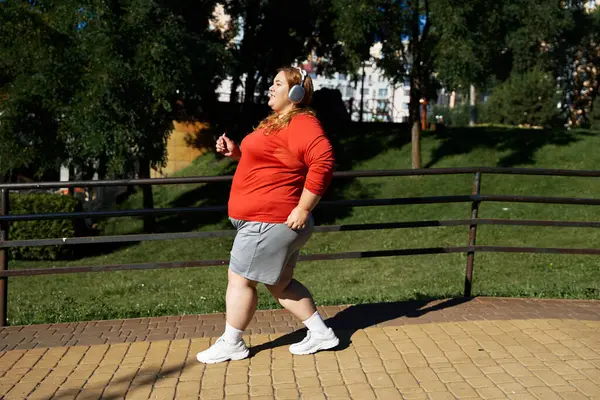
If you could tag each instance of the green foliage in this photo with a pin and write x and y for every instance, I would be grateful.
(479, 40)
(39, 63)
(529, 99)
(469, 36)
(143, 61)
(96, 84)
(356, 24)
(40, 203)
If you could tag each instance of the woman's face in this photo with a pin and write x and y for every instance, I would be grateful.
(278, 94)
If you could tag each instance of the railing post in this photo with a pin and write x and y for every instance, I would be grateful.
(4, 210)
(472, 235)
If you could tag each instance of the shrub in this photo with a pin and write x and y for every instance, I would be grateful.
(37, 203)
(528, 99)
(457, 116)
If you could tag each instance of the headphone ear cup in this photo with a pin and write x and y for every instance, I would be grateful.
(296, 94)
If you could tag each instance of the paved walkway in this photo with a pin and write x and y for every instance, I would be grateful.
(489, 348)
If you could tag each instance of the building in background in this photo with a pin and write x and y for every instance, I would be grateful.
(591, 5)
(382, 100)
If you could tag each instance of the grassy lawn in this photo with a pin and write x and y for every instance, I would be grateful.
(74, 297)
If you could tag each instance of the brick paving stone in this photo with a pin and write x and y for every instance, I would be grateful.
(536, 349)
(279, 321)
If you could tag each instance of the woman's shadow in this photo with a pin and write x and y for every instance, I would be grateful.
(346, 322)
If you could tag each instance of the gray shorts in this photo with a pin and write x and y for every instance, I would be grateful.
(261, 250)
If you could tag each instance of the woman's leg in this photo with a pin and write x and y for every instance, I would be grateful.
(240, 300)
(296, 298)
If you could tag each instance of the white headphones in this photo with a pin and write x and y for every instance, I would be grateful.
(297, 92)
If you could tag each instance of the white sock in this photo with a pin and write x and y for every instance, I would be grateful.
(315, 323)
(232, 335)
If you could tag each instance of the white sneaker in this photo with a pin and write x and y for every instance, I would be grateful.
(223, 351)
(314, 342)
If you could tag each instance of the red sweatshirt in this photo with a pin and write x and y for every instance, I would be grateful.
(275, 168)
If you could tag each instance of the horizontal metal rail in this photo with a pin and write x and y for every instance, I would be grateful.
(192, 210)
(340, 174)
(309, 257)
(326, 228)
(341, 203)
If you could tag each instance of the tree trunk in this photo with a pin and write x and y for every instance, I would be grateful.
(414, 121)
(362, 93)
(472, 101)
(250, 87)
(249, 58)
(415, 140)
(149, 220)
(417, 81)
(235, 81)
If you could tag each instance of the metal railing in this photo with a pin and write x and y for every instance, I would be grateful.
(475, 199)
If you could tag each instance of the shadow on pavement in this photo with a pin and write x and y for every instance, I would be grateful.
(346, 322)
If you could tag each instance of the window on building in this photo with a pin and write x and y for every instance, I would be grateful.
(383, 92)
(382, 106)
(349, 91)
(341, 77)
(405, 106)
(365, 92)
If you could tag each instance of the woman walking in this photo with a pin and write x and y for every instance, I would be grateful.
(284, 168)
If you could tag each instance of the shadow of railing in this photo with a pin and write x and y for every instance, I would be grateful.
(361, 316)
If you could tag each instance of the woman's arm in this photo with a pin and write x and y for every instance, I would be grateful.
(315, 151)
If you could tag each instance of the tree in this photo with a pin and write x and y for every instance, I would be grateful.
(356, 27)
(528, 99)
(483, 42)
(39, 61)
(103, 81)
(145, 58)
(404, 30)
(271, 36)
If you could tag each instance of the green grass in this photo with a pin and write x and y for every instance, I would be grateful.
(86, 296)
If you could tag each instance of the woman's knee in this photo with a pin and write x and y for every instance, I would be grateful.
(238, 281)
(278, 289)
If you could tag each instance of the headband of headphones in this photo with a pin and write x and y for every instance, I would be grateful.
(303, 73)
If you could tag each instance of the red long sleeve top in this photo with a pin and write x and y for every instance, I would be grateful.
(274, 169)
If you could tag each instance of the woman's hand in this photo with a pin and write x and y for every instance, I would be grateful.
(297, 218)
(227, 147)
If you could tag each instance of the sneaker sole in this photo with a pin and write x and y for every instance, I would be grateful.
(329, 344)
(232, 357)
